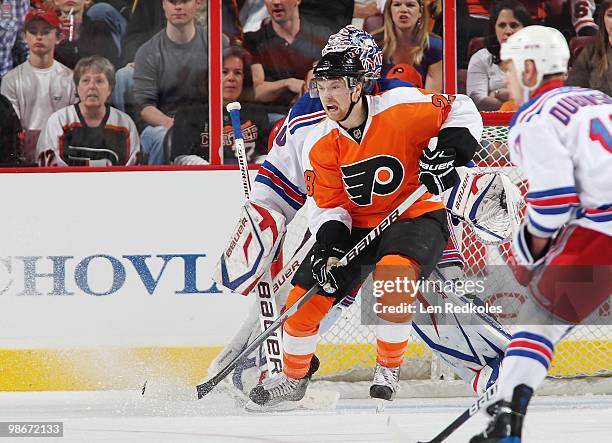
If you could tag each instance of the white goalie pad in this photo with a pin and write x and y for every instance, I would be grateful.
(251, 248)
(489, 202)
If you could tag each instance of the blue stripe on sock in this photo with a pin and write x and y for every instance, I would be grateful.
(528, 354)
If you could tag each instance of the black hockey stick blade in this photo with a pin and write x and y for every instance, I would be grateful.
(485, 398)
(204, 388)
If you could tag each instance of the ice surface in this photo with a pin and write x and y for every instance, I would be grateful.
(113, 416)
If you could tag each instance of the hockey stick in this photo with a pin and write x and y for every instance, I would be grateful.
(266, 302)
(402, 436)
(234, 111)
(204, 388)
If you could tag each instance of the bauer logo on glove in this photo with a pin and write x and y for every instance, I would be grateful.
(437, 169)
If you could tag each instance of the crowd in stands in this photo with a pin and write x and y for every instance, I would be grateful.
(122, 82)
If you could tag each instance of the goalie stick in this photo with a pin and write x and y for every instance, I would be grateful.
(204, 388)
(268, 310)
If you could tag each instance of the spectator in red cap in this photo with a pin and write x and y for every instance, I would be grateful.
(41, 85)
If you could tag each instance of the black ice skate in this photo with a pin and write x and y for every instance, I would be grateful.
(386, 383)
(278, 389)
(506, 423)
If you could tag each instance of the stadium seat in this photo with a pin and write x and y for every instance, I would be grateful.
(373, 23)
(577, 44)
(476, 44)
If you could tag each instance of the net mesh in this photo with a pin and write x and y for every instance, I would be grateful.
(347, 351)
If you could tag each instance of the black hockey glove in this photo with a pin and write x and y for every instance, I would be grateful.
(332, 243)
(437, 170)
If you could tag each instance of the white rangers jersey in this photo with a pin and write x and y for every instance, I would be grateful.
(562, 141)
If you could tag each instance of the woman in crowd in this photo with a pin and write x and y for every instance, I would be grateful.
(90, 132)
(593, 68)
(188, 142)
(404, 39)
(485, 79)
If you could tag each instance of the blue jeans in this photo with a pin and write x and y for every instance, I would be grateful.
(124, 83)
(152, 144)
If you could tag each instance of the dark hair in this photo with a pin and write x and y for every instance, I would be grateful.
(248, 90)
(11, 135)
(520, 13)
(602, 40)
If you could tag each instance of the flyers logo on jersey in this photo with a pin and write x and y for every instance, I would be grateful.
(380, 175)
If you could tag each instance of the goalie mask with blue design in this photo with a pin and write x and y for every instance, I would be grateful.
(364, 45)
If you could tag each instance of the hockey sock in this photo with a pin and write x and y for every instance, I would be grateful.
(301, 332)
(530, 352)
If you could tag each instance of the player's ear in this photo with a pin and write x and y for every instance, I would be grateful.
(530, 75)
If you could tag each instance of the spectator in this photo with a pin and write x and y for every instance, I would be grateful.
(405, 40)
(12, 17)
(41, 85)
(190, 132)
(146, 20)
(90, 132)
(171, 70)
(11, 135)
(284, 50)
(89, 30)
(333, 15)
(593, 68)
(486, 82)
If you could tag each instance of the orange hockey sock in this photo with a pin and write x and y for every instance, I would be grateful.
(301, 332)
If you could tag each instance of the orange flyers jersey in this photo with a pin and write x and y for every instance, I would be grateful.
(359, 184)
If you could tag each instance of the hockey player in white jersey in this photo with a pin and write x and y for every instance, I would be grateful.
(279, 188)
(561, 138)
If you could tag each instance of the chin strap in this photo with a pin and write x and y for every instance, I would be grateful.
(350, 109)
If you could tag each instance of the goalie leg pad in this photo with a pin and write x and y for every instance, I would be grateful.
(251, 248)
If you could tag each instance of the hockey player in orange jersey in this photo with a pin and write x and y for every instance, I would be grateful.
(361, 161)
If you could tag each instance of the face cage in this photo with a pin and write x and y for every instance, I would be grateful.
(350, 82)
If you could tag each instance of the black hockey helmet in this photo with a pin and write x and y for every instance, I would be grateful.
(340, 64)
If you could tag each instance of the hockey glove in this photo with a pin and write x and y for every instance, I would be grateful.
(333, 239)
(521, 260)
(437, 170)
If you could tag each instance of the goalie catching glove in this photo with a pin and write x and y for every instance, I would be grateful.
(333, 239)
(489, 202)
(251, 249)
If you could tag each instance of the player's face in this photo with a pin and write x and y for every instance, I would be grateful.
(506, 25)
(94, 89)
(181, 12)
(233, 78)
(282, 10)
(335, 97)
(66, 5)
(512, 82)
(405, 13)
(40, 37)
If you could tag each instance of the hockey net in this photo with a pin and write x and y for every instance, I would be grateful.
(347, 351)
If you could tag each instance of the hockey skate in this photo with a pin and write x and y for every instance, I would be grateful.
(385, 385)
(507, 418)
(279, 389)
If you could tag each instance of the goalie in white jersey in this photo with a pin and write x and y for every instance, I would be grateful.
(561, 138)
(279, 188)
